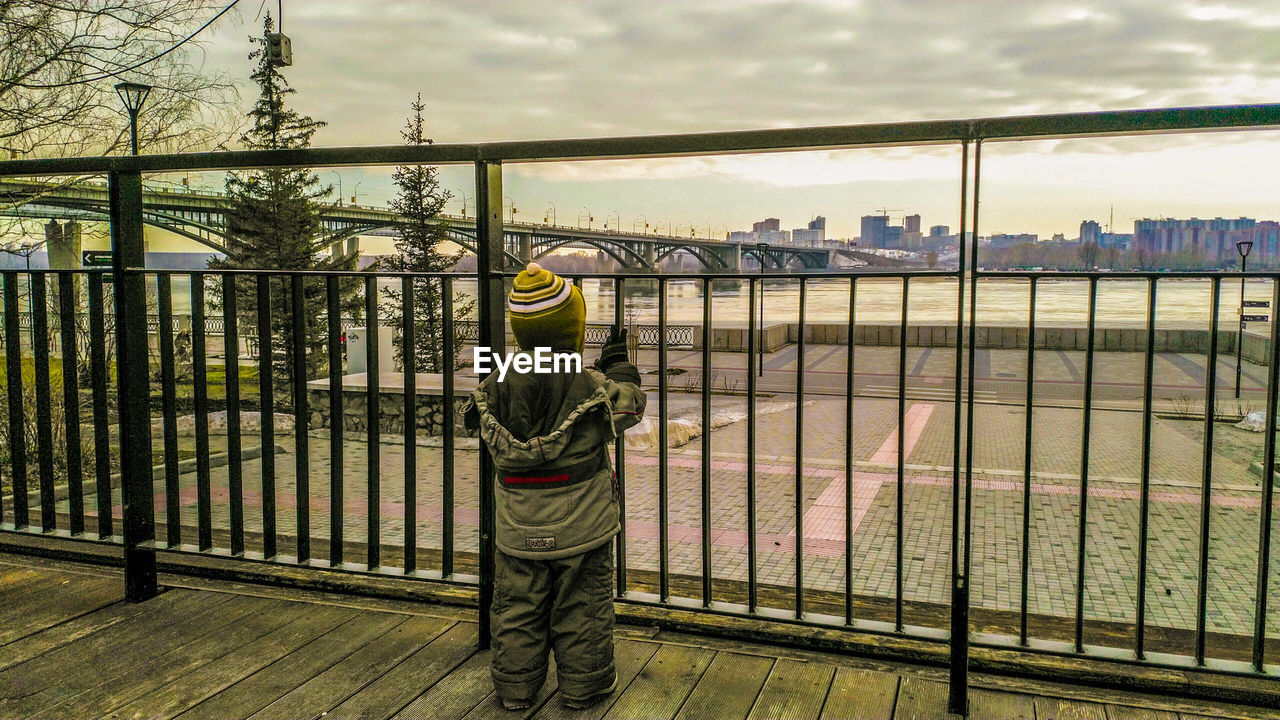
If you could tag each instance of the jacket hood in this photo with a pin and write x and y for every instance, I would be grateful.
(528, 420)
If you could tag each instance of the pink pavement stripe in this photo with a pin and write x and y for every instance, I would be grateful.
(766, 468)
(913, 422)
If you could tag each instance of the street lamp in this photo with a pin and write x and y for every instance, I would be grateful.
(512, 203)
(616, 226)
(463, 193)
(133, 95)
(355, 193)
(636, 220)
(1243, 247)
(339, 176)
(552, 216)
(659, 224)
(587, 211)
(23, 249)
(761, 249)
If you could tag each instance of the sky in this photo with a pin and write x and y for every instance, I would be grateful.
(492, 70)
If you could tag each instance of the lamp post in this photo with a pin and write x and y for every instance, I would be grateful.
(339, 176)
(636, 220)
(1243, 247)
(585, 211)
(463, 193)
(667, 220)
(761, 249)
(133, 95)
(355, 193)
(512, 202)
(552, 216)
(617, 225)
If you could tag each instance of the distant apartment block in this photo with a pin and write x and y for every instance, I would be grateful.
(1090, 232)
(1214, 239)
(1001, 240)
(815, 235)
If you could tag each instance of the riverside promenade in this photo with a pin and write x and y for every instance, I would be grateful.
(998, 470)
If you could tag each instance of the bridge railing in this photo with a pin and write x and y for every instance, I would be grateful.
(780, 516)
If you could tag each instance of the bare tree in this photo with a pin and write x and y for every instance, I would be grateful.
(62, 59)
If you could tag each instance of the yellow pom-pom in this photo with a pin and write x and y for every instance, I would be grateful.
(533, 268)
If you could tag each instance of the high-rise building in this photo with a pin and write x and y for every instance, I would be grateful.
(1090, 231)
(912, 224)
(873, 231)
(939, 231)
(768, 224)
(814, 235)
(1214, 239)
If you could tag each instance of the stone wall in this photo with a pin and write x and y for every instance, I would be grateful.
(355, 416)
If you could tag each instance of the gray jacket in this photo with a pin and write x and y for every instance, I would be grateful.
(548, 436)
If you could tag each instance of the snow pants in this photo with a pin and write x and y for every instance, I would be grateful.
(565, 604)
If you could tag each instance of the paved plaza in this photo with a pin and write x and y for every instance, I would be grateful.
(1113, 508)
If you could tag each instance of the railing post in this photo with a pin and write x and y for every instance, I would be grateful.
(493, 333)
(958, 692)
(133, 385)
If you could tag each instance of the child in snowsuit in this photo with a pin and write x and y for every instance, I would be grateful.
(557, 505)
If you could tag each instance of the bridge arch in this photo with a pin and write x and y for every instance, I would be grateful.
(549, 245)
(709, 260)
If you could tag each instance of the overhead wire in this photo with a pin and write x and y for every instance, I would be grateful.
(135, 66)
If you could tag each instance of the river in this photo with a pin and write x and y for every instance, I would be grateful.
(1181, 303)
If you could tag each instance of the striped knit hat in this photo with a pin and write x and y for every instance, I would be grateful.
(547, 311)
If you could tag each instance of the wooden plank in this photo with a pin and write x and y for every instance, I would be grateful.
(861, 695)
(322, 692)
(397, 687)
(794, 690)
(1063, 709)
(629, 657)
(39, 643)
(1130, 712)
(994, 705)
(178, 695)
(491, 709)
(14, 579)
(728, 689)
(456, 694)
(662, 685)
(920, 699)
(166, 625)
(281, 677)
(63, 600)
(236, 624)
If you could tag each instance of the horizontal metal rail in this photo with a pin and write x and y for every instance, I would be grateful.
(1088, 124)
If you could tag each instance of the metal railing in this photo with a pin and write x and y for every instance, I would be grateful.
(282, 304)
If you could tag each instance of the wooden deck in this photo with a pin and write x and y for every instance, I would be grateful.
(70, 647)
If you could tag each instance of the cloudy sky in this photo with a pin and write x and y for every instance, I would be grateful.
(574, 68)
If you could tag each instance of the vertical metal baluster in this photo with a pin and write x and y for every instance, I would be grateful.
(1268, 487)
(301, 417)
(200, 404)
(800, 369)
(335, 420)
(408, 359)
(1145, 500)
(1206, 490)
(267, 415)
(848, 454)
(44, 411)
(373, 404)
(169, 411)
(706, 442)
(17, 416)
(70, 400)
(231, 365)
(899, 533)
(664, 567)
(492, 333)
(620, 452)
(958, 672)
(1084, 463)
(447, 534)
(1026, 461)
(752, 589)
(98, 380)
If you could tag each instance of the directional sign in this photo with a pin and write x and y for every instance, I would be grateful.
(96, 258)
(1253, 318)
(1257, 303)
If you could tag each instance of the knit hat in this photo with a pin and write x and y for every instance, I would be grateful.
(547, 311)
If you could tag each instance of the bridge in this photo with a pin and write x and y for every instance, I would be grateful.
(201, 217)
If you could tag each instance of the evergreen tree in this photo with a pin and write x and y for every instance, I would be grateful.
(419, 201)
(273, 222)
